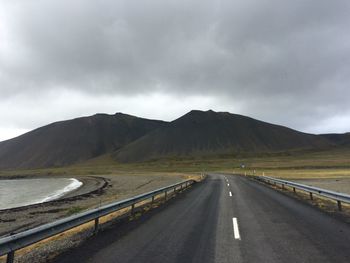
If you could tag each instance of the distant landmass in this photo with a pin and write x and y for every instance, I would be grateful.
(131, 139)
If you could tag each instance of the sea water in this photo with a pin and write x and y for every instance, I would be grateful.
(22, 192)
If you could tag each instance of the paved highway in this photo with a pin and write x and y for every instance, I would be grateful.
(225, 219)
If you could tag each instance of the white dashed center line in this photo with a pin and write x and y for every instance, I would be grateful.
(236, 229)
(230, 193)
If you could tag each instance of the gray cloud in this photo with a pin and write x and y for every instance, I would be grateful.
(285, 62)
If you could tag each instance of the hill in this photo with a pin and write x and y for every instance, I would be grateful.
(66, 142)
(340, 139)
(200, 133)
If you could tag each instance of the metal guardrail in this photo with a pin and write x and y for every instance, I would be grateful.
(9, 244)
(339, 197)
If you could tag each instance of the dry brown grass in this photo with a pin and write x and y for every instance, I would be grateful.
(329, 173)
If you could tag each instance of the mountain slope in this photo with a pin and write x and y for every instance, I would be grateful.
(340, 139)
(201, 133)
(67, 142)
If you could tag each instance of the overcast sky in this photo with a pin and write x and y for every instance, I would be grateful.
(286, 62)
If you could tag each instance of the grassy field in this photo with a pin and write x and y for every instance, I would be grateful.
(323, 164)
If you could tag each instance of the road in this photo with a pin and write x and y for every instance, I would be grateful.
(225, 219)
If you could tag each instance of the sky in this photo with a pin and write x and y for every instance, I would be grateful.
(285, 62)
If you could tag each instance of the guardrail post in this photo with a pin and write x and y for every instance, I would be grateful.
(339, 205)
(132, 208)
(152, 199)
(166, 195)
(311, 197)
(283, 187)
(10, 257)
(96, 225)
(181, 188)
(294, 189)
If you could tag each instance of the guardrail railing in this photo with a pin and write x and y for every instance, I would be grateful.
(9, 244)
(339, 197)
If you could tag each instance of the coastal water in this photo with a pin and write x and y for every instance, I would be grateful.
(21, 192)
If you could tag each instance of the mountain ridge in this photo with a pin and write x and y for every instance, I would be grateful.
(209, 132)
(129, 138)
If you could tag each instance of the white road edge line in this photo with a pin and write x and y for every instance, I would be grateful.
(230, 193)
(235, 228)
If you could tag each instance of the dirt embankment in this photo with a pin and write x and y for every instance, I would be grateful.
(96, 191)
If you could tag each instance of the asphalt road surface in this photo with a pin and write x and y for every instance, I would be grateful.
(225, 219)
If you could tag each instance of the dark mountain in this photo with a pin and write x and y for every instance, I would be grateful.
(340, 139)
(201, 133)
(67, 142)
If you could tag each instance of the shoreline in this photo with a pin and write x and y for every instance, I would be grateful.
(90, 185)
(74, 185)
(97, 190)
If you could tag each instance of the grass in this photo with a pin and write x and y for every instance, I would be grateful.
(74, 210)
(322, 164)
